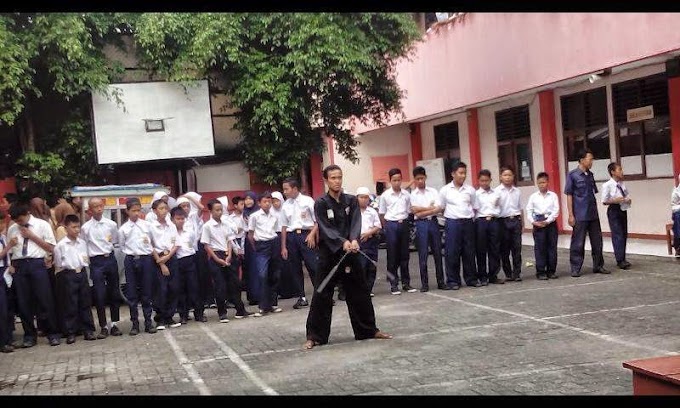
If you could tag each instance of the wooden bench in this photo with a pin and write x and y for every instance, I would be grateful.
(655, 376)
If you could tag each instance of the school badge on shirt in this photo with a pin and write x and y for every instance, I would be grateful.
(108, 238)
(330, 214)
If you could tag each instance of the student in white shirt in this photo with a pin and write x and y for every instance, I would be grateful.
(299, 240)
(6, 316)
(542, 211)
(188, 296)
(101, 234)
(458, 203)
(616, 197)
(216, 238)
(140, 272)
(487, 228)
(159, 195)
(164, 238)
(425, 205)
(287, 282)
(263, 225)
(239, 221)
(511, 225)
(369, 240)
(70, 262)
(394, 209)
(35, 240)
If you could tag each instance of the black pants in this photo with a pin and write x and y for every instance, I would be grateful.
(618, 224)
(358, 298)
(459, 240)
(488, 247)
(140, 275)
(226, 286)
(370, 248)
(105, 280)
(189, 293)
(76, 301)
(206, 287)
(33, 285)
(397, 237)
(511, 241)
(166, 290)
(428, 237)
(545, 249)
(6, 327)
(578, 242)
(298, 251)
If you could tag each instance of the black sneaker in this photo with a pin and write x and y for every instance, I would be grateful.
(184, 320)
(425, 289)
(150, 329)
(341, 296)
(172, 323)
(301, 302)
(201, 318)
(408, 288)
(441, 286)
(103, 333)
(553, 276)
(135, 330)
(70, 339)
(89, 336)
(541, 277)
(115, 331)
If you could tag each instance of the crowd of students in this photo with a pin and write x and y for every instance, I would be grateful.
(175, 263)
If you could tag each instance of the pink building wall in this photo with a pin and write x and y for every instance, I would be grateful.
(483, 56)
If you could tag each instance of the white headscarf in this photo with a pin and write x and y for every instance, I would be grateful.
(224, 200)
(193, 196)
(278, 196)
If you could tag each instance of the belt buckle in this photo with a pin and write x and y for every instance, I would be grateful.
(106, 255)
(400, 221)
(489, 218)
(298, 231)
(136, 257)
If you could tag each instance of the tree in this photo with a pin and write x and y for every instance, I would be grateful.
(292, 77)
(49, 65)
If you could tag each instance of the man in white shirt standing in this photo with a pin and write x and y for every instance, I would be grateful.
(511, 224)
(458, 202)
(394, 208)
(299, 239)
(35, 240)
(425, 205)
(616, 197)
(542, 211)
(487, 228)
(101, 234)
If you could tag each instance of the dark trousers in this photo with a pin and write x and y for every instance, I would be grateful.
(298, 251)
(545, 249)
(370, 248)
(188, 289)
(288, 283)
(250, 274)
(618, 224)
(511, 242)
(6, 327)
(676, 230)
(226, 286)
(397, 235)
(268, 272)
(33, 285)
(358, 299)
(428, 237)
(76, 301)
(460, 243)
(206, 287)
(105, 280)
(166, 290)
(140, 275)
(578, 242)
(487, 248)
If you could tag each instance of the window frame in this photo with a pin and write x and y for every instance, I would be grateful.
(513, 142)
(447, 175)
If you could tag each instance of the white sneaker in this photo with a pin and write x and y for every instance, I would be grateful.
(175, 324)
(277, 309)
(224, 320)
(258, 314)
(160, 327)
(372, 294)
(396, 292)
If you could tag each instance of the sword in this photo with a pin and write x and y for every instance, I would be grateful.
(390, 275)
(330, 274)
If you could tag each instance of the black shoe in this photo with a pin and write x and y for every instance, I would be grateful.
(6, 348)
(341, 296)
(575, 274)
(70, 339)
(497, 281)
(541, 277)
(150, 329)
(552, 276)
(172, 323)
(54, 341)
(627, 264)
(103, 333)
(518, 278)
(425, 289)
(184, 320)
(115, 331)
(476, 284)
(602, 270)
(441, 286)
(156, 318)
(623, 265)
(89, 336)
(408, 288)
(28, 343)
(134, 331)
(484, 282)
(201, 318)
(301, 302)
(509, 278)
(454, 287)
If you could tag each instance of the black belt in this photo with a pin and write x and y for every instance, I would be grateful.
(301, 231)
(432, 218)
(399, 222)
(103, 255)
(488, 218)
(511, 217)
(72, 270)
(136, 256)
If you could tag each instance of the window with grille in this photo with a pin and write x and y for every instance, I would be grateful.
(513, 134)
(585, 123)
(644, 145)
(447, 146)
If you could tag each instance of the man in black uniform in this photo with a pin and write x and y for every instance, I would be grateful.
(339, 220)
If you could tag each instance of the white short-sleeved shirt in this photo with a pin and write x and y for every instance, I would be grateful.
(613, 189)
(185, 242)
(71, 254)
(511, 201)
(426, 197)
(545, 205)
(151, 216)
(135, 238)
(487, 203)
(240, 223)
(4, 261)
(39, 227)
(163, 236)
(100, 236)
(298, 213)
(458, 202)
(395, 205)
(265, 225)
(369, 219)
(216, 234)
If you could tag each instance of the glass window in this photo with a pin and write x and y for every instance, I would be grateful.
(513, 134)
(585, 124)
(447, 146)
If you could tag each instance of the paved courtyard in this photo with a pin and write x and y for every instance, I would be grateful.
(563, 336)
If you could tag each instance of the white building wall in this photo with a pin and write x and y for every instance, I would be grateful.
(231, 176)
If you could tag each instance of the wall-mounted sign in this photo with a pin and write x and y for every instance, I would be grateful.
(638, 114)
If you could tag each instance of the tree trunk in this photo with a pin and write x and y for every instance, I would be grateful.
(30, 130)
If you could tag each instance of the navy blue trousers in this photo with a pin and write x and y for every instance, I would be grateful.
(167, 290)
(397, 235)
(487, 248)
(226, 286)
(511, 242)
(578, 242)
(268, 272)
(33, 288)
(75, 301)
(6, 326)
(545, 249)
(188, 289)
(298, 251)
(428, 237)
(460, 243)
(618, 225)
(140, 275)
(106, 283)
(676, 230)
(370, 248)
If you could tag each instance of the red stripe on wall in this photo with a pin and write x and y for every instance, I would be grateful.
(475, 148)
(546, 100)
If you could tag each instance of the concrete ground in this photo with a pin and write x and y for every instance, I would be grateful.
(563, 336)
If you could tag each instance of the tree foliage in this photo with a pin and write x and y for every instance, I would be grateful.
(292, 77)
